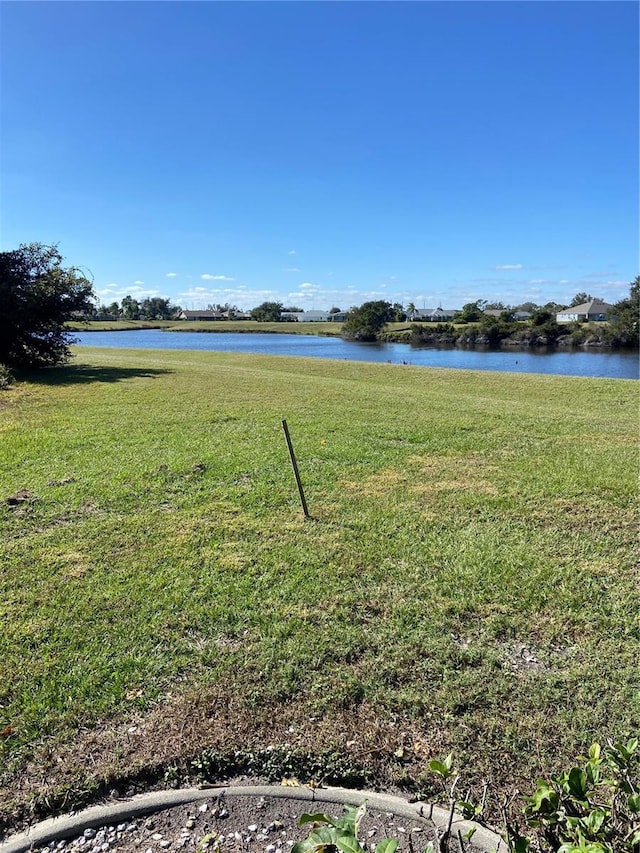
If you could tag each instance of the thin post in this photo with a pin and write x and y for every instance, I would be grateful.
(294, 465)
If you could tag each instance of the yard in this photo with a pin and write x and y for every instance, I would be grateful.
(467, 581)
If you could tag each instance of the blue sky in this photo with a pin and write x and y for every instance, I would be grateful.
(326, 153)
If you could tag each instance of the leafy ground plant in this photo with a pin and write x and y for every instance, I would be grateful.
(330, 834)
(592, 808)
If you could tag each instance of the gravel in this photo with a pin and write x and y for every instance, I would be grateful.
(235, 825)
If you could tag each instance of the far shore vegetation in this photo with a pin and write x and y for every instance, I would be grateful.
(466, 583)
(477, 324)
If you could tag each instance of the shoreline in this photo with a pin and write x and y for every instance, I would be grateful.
(436, 341)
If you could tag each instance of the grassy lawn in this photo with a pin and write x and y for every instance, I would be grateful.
(467, 582)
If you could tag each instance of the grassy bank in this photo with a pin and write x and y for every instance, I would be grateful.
(208, 326)
(467, 580)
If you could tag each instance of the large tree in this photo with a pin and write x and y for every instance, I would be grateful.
(626, 317)
(580, 299)
(37, 296)
(364, 323)
(471, 312)
(156, 308)
(267, 312)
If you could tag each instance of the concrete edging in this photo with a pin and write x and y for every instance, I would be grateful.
(71, 825)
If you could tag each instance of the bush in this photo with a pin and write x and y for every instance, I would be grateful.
(592, 808)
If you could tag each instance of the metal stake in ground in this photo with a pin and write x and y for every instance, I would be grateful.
(294, 465)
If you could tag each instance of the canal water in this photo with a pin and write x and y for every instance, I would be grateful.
(612, 365)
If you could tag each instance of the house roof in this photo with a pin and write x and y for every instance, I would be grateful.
(427, 312)
(204, 313)
(595, 306)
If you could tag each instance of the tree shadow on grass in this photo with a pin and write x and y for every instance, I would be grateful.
(73, 374)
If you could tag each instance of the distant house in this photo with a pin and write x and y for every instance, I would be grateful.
(312, 316)
(434, 315)
(517, 315)
(200, 315)
(595, 311)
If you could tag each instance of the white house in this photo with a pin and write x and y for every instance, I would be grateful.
(517, 315)
(434, 315)
(596, 310)
(313, 316)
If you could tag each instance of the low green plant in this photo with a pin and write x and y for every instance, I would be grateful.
(330, 834)
(592, 808)
(209, 842)
(6, 377)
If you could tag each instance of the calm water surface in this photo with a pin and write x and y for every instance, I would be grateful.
(613, 365)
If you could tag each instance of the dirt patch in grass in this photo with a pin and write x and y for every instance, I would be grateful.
(215, 734)
(162, 747)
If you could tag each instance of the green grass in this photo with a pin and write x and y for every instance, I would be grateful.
(467, 581)
(209, 326)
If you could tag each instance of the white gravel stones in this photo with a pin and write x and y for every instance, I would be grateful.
(220, 825)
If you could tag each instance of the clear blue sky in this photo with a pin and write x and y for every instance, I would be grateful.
(326, 153)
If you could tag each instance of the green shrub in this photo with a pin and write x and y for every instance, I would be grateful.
(593, 808)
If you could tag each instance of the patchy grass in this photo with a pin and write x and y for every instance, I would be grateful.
(467, 582)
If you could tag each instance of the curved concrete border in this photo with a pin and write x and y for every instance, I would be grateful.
(67, 826)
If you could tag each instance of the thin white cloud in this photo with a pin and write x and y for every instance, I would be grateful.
(508, 267)
(208, 277)
(537, 281)
(292, 252)
(172, 274)
(245, 298)
(138, 282)
(114, 291)
(306, 285)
